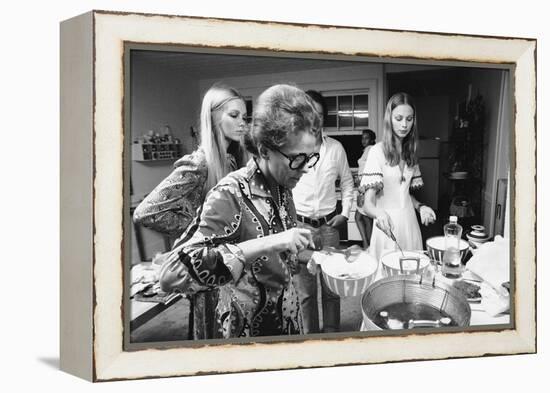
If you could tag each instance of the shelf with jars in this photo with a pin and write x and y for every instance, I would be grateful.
(155, 147)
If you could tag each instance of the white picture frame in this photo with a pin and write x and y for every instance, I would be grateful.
(92, 192)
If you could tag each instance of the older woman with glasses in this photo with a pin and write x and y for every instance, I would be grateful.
(245, 240)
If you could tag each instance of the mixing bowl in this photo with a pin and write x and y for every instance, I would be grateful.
(349, 275)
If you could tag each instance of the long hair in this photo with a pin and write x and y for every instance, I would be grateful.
(279, 111)
(390, 140)
(213, 142)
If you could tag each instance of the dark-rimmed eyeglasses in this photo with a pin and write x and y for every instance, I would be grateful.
(300, 160)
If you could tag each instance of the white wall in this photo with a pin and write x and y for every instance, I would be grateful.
(368, 76)
(161, 95)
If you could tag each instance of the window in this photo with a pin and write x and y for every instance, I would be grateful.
(347, 111)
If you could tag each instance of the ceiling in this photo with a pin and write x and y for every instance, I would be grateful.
(206, 66)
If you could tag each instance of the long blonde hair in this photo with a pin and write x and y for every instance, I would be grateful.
(389, 139)
(213, 142)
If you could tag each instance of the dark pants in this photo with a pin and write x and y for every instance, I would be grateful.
(306, 285)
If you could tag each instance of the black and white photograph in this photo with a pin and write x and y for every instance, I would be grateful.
(285, 197)
(257, 195)
(275, 196)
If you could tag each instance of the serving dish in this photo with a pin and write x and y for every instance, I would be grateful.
(348, 274)
(406, 262)
(436, 248)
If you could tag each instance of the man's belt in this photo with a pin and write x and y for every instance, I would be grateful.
(316, 222)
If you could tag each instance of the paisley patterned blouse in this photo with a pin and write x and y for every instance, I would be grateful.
(262, 301)
(172, 205)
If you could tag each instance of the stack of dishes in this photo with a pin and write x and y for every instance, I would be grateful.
(477, 236)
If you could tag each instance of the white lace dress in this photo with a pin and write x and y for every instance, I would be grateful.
(394, 197)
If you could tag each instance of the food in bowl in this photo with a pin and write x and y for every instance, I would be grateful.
(345, 278)
(411, 262)
(338, 266)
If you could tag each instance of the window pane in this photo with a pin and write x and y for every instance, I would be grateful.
(345, 120)
(361, 102)
(361, 119)
(331, 121)
(331, 103)
(344, 103)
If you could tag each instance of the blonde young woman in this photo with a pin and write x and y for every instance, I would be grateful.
(173, 204)
(391, 173)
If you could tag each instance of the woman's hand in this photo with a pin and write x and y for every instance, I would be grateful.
(384, 222)
(427, 215)
(293, 240)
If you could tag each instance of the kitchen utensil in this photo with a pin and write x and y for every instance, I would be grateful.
(392, 236)
(411, 301)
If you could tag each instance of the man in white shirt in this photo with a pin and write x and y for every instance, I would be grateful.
(315, 200)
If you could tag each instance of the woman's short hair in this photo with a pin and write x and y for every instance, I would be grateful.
(279, 111)
(389, 139)
(212, 139)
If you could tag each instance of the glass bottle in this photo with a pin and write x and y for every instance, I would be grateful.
(451, 263)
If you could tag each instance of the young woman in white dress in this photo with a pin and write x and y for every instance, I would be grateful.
(391, 173)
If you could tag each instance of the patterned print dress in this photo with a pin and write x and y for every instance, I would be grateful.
(169, 209)
(262, 301)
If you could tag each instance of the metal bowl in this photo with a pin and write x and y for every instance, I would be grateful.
(413, 292)
(412, 262)
(436, 247)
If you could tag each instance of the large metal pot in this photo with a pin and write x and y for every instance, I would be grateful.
(410, 301)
